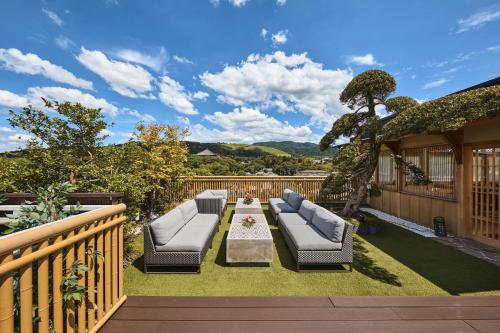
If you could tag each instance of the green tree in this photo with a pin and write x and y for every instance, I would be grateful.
(64, 145)
(355, 162)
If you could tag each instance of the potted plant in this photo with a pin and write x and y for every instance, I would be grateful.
(249, 221)
(248, 199)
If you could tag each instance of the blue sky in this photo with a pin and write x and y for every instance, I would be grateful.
(235, 70)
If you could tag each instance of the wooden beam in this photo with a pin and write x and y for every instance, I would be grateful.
(394, 146)
(456, 140)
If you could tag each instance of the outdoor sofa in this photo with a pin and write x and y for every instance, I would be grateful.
(314, 235)
(213, 201)
(180, 238)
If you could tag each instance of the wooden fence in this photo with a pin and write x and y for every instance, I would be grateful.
(87, 198)
(35, 263)
(260, 187)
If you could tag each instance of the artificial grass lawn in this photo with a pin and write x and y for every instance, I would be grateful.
(394, 262)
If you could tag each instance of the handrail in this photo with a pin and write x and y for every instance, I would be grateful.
(27, 258)
(35, 235)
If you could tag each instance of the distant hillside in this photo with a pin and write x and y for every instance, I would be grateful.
(233, 149)
(298, 148)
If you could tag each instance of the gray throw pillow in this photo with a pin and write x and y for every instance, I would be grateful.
(286, 193)
(188, 210)
(307, 209)
(329, 224)
(166, 226)
(295, 200)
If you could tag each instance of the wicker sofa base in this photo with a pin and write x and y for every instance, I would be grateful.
(307, 261)
(173, 259)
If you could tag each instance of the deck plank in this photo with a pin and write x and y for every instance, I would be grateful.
(306, 314)
(430, 313)
(485, 326)
(225, 302)
(422, 301)
(234, 314)
(442, 326)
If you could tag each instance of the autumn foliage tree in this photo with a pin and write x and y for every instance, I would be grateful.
(162, 159)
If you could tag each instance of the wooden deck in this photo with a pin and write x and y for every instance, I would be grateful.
(306, 314)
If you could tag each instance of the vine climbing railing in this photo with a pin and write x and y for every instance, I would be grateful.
(64, 276)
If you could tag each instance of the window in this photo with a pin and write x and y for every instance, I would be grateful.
(387, 172)
(438, 164)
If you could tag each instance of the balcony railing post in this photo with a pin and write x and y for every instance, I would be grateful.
(52, 248)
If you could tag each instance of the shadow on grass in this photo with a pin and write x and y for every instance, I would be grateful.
(139, 263)
(220, 258)
(367, 266)
(284, 255)
(448, 268)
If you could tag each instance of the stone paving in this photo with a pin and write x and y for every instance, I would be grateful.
(472, 247)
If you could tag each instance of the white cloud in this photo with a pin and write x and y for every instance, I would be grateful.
(280, 2)
(182, 60)
(64, 42)
(153, 61)
(124, 78)
(288, 82)
(478, 19)
(434, 84)
(13, 141)
(364, 60)
(146, 117)
(173, 95)
(6, 129)
(280, 38)
(263, 33)
(29, 63)
(245, 125)
(54, 17)
(199, 95)
(70, 95)
(493, 48)
(60, 94)
(10, 99)
(106, 132)
(236, 3)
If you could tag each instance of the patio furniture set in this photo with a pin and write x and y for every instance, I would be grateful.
(182, 237)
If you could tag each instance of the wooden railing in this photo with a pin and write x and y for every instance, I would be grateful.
(261, 187)
(36, 267)
(87, 198)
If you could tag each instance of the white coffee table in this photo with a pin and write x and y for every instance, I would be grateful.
(253, 208)
(249, 245)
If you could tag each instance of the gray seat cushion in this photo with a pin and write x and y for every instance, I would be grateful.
(204, 220)
(287, 219)
(294, 200)
(279, 206)
(188, 210)
(286, 193)
(189, 239)
(221, 193)
(166, 226)
(307, 209)
(308, 238)
(329, 224)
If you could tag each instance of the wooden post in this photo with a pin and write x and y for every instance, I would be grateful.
(26, 294)
(57, 306)
(70, 308)
(43, 291)
(7, 298)
(82, 306)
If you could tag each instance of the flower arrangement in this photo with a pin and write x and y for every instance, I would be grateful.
(248, 199)
(249, 221)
